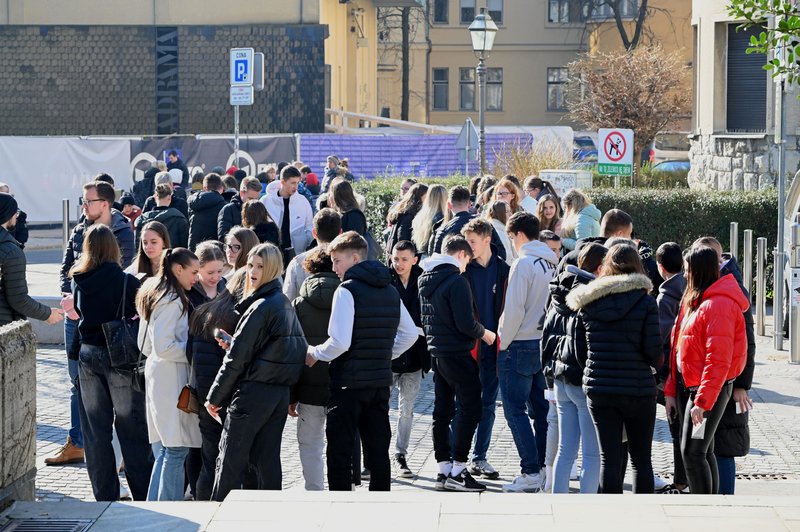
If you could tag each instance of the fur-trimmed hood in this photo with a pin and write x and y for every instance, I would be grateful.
(593, 297)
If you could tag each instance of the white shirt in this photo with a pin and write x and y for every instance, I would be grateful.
(529, 204)
(340, 329)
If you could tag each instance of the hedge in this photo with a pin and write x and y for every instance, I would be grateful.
(679, 215)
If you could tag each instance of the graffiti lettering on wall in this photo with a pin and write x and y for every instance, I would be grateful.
(167, 108)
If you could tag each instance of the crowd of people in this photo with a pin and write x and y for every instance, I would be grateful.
(258, 301)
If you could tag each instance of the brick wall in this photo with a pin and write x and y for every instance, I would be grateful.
(95, 80)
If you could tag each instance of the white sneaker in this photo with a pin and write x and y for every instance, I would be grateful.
(525, 483)
(659, 483)
(573, 474)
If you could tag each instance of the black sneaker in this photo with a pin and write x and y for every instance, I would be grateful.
(463, 482)
(365, 474)
(441, 480)
(405, 471)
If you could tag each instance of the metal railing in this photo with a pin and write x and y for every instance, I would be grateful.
(341, 121)
(65, 222)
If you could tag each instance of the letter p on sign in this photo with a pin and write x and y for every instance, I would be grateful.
(241, 70)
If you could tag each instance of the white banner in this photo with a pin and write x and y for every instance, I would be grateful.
(42, 171)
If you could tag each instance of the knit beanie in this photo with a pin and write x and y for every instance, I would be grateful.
(8, 207)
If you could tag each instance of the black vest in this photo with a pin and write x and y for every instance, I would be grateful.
(368, 362)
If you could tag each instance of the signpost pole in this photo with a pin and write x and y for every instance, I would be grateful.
(236, 135)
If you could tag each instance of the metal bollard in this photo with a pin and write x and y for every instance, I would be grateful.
(747, 262)
(761, 285)
(65, 222)
(794, 296)
(735, 240)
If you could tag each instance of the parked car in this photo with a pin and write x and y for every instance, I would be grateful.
(672, 167)
(669, 146)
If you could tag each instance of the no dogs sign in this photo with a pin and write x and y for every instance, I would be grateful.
(615, 152)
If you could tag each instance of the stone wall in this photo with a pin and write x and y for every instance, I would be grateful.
(739, 162)
(17, 412)
(147, 80)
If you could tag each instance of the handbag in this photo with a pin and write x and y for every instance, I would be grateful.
(120, 336)
(137, 371)
(187, 399)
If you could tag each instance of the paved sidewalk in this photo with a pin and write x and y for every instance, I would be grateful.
(773, 466)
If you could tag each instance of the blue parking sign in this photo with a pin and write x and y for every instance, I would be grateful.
(241, 66)
(240, 70)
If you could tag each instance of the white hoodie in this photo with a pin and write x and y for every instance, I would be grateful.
(437, 259)
(526, 296)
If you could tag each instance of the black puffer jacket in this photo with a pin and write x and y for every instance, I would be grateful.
(448, 310)
(454, 226)
(176, 223)
(15, 303)
(559, 358)
(733, 434)
(313, 307)
(268, 232)
(417, 357)
(229, 217)
(354, 220)
(268, 346)
(203, 212)
(401, 230)
(616, 337)
(645, 253)
(177, 202)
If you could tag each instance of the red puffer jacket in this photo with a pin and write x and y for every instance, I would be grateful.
(714, 347)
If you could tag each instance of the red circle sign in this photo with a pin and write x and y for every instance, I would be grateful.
(615, 146)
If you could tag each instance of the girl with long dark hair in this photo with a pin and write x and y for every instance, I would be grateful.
(163, 305)
(256, 217)
(152, 243)
(342, 198)
(401, 216)
(106, 393)
(709, 350)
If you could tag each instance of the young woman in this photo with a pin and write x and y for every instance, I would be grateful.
(433, 212)
(256, 217)
(548, 211)
(709, 350)
(508, 191)
(401, 216)
(238, 244)
(617, 343)
(207, 358)
(212, 266)
(342, 198)
(97, 285)
(265, 357)
(310, 396)
(498, 212)
(581, 219)
(163, 306)
(154, 240)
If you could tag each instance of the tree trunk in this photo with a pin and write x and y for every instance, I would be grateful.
(406, 61)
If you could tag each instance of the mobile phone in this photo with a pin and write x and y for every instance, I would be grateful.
(222, 335)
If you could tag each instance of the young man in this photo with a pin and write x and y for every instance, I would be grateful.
(173, 220)
(369, 327)
(669, 258)
(327, 226)
(20, 230)
(291, 212)
(488, 277)
(163, 178)
(451, 330)
(204, 209)
(231, 214)
(409, 368)
(175, 162)
(98, 197)
(552, 240)
(458, 203)
(519, 364)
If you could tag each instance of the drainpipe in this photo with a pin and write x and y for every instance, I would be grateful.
(428, 64)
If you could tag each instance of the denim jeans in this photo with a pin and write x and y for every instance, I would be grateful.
(487, 370)
(75, 434)
(408, 385)
(107, 400)
(311, 444)
(522, 385)
(575, 426)
(166, 482)
(726, 465)
(552, 434)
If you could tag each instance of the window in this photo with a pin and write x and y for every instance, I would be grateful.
(495, 9)
(441, 88)
(556, 85)
(746, 96)
(627, 9)
(466, 89)
(467, 11)
(440, 11)
(567, 11)
(494, 89)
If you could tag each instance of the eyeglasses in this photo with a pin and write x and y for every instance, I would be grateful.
(90, 201)
(503, 194)
(236, 248)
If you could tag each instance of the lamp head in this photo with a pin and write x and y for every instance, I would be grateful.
(482, 31)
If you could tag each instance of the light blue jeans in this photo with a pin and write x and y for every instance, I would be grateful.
(166, 481)
(575, 426)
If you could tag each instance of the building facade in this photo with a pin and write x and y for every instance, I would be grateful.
(733, 120)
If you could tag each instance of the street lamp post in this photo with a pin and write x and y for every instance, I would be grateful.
(482, 32)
